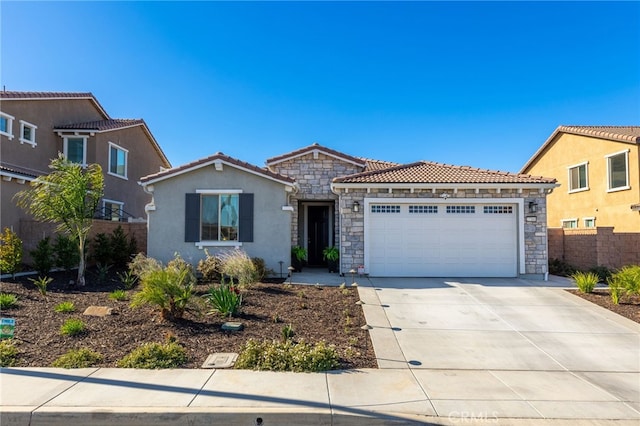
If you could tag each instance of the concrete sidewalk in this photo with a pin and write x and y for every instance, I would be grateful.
(451, 352)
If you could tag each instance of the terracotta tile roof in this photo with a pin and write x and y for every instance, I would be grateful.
(101, 125)
(210, 160)
(19, 170)
(629, 134)
(426, 172)
(315, 147)
(15, 95)
(372, 165)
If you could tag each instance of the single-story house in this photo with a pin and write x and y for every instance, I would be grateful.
(422, 219)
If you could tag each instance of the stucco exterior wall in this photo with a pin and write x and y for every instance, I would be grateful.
(608, 208)
(535, 230)
(313, 174)
(166, 232)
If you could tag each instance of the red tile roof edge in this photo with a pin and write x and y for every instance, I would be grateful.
(311, 148)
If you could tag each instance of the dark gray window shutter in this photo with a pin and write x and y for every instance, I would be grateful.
(192, 218)
(246, 218)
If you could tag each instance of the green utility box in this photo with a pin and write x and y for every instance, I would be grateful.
(7, 326)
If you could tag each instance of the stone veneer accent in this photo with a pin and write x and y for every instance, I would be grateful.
(352, 235)
(313, 173)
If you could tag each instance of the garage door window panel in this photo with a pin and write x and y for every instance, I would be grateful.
(384, 208)
(461, 209)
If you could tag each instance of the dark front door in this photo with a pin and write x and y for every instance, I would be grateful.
(318, 233)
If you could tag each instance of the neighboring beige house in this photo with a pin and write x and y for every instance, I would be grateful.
(36, 126)
(598, 202)
(421, 219)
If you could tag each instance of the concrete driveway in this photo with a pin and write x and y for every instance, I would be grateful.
(506, 347)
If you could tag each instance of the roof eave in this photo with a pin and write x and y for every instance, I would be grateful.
(277, 160)
(452, 186)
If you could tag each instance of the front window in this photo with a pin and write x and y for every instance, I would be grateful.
(117, 160)
(618, 171)
(589, 222)
(578, 178)
(569, 223)
(28, 133)
(6, 125)
(113, 210)
(75, 149)
(219, 217)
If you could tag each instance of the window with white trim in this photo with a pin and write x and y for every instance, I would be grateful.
(113, 210)
(569, 223)
(28, 133)
(6, 125)
(457, 209)
(384, 208)
(219, 217)
(589, 222)
(423, 209)
(578, 178)
(118, 160)
(497, 209)
(618, 171)
(75, 149)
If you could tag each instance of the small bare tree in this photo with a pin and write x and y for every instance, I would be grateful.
(68, 196)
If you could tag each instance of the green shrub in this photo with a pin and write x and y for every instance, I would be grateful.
(41, 284)
(602, 272)
(102, 251)
(224, 300)
(237, 265)
(8, 353)
(8, 301)
(103, 272)
(625, 282)
(287, 332)
(128, 279)
(10, 252)
(586, 281)
(72, 327)
(65, 307)
(210, 268)
(155, 356)
(118, 295)
(67, 254)
(122, 246)
(261, 268)
(78, 358)
(141, 265)
(169, 288)
(43, 256)
(561, 268)
(287, 356)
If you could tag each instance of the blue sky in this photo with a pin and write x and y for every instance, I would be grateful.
(467, 83)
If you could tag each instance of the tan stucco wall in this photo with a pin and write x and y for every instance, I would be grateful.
(609, 208)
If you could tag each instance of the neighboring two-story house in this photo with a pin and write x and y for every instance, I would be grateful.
(598, 202)
(36, 126)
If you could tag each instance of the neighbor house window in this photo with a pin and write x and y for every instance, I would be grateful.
(219, 217)
(618, 171)
(28, 133)
(113, 210)
(578, 180)
(117, 160)
(589, 222)
(569, 223)
(6, 125)
(75, 149)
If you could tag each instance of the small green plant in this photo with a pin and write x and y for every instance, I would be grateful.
(78, 358)
(625, 282)
(261, 268)
(615, 293)
(602, 272)
(122, 246)
(66, 250)
(41, 284)
(210, 268)
(586, 281)
(118, 295)
(128, 279)
(141, 265)
(10, 252)
(8, 301)
(224, 300)
(8, 353)
(102, 252)
(287, 356)
(66, 307)
(275, 318)
(299, 253)
(43, 256)
(331, 253)
(170, 288)
(287, 332)
(72, 327)
(239, 267)
(103, 272)
(155, 356)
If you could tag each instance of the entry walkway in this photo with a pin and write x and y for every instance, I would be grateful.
(451, 352)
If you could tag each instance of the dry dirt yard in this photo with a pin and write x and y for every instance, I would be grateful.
(628, 307)
(315, 313)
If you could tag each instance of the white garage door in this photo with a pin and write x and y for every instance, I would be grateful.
(442, 240)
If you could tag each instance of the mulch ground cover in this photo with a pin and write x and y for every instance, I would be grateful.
(628, 307)
(315, 313)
